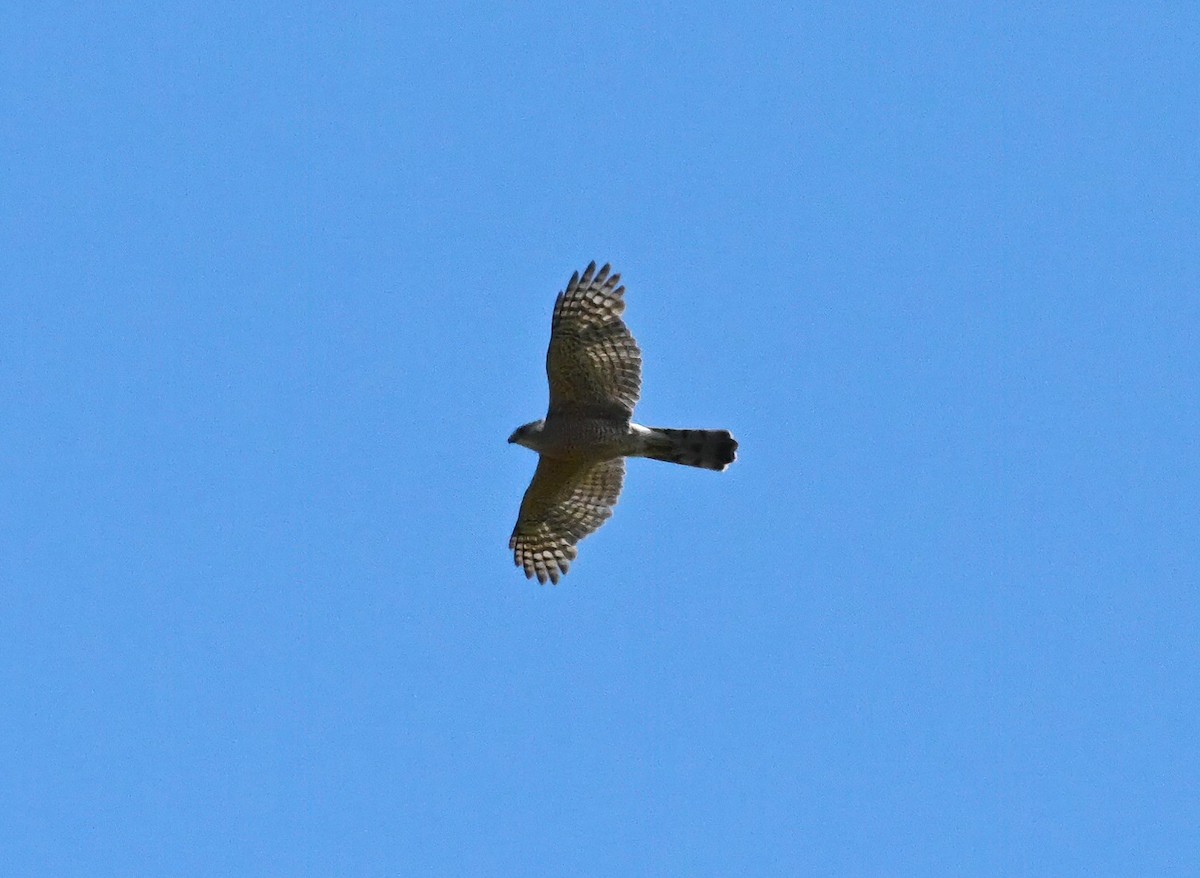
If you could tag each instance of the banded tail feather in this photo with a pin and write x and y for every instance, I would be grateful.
(708, 449)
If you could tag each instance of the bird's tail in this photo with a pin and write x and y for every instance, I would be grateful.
(710, 449)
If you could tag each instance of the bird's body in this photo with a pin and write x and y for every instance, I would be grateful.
(594, 370)
(598, 439)
(577, 438)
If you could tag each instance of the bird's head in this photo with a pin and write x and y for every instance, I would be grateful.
(526, 434)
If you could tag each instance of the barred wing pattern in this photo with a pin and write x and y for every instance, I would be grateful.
(566, 501)
(593, 363)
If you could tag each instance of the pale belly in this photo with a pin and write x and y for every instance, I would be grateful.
(592, 438)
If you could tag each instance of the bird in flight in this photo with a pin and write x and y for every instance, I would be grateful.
(594, 368)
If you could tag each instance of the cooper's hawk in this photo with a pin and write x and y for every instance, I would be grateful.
(595, 373)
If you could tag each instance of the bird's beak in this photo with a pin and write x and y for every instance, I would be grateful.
(512, 438)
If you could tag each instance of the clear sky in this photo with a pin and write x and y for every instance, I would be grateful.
(275, 287)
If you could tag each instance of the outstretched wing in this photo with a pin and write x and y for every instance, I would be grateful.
(593, 364)
(564, 503)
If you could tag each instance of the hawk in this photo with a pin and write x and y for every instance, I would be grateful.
(595, 372)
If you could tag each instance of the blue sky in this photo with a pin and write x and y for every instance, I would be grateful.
(276, 286)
